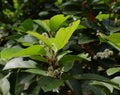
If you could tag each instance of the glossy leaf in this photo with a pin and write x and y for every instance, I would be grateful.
(107, 85)
(19, 63)
(64, 34)
(56, 21)
(112, 71)
(4, 86)
(116, 80)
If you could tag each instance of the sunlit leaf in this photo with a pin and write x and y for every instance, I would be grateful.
(9, 52)
(56, 21)
(115, 39)
(40, 37)
(102, 16)
(64, 34)
(32, 50)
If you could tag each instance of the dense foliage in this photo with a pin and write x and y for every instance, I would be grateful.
(59, 47)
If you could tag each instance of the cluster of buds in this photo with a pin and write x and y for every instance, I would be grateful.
(56, 73)
(103, 55)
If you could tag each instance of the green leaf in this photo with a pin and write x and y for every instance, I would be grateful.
(112, 71)
(56, 21)
(116, 80)
(62, 54)
(27, 24)
(18, 52)
(74, 86)
(43, 24)
(38, 58)
(19, 63)
(49, 83)
(59, 1)
(107, 85)
(84, 56)
(83, 39)
(32, 50)
(9, 52)
(64, 34)
(27, 39)
(90, 76)
(115, 39)
(36, 71)
(71, 58)
(68, 59)
(101, 16)
(41, 37)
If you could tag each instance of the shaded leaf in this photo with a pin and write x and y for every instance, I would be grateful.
(68, 59)
(84, 56)
(36, 71)
(83, 39)
(27, 24)
(90, 76)
(27, 39)
(38, 58)
(49, 83)
(62, 54)
(43, 24)
(74, 85)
